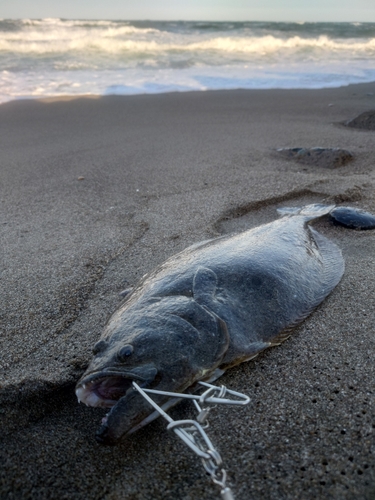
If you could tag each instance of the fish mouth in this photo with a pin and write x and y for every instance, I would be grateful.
(104, 388)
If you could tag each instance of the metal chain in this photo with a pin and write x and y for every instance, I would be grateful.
(192, 432)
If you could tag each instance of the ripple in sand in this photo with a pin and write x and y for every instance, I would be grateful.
(318, 157)
(364, 121)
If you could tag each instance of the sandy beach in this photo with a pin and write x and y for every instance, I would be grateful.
(95, 192)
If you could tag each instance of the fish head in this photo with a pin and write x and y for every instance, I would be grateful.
(167, 344)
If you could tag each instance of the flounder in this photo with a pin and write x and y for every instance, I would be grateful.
(212, 306)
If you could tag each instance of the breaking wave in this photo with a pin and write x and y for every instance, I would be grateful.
(52, 56)
(74, 36)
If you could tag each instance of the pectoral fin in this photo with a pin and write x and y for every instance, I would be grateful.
(204, 285)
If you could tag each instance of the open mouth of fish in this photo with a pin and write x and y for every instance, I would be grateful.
(104, 389)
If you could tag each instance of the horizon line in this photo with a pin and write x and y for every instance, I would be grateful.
(179, 20)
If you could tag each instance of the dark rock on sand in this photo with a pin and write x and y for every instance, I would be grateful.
(353, 218)
(318, 157)
(364, 121)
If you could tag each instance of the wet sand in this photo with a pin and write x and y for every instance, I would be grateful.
(95, 193)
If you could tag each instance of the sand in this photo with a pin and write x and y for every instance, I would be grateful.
(95, 193)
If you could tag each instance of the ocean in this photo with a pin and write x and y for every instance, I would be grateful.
(52, 57)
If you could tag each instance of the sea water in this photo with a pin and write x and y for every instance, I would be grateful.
(52, 57)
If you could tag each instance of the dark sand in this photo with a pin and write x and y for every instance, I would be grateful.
(162, 172)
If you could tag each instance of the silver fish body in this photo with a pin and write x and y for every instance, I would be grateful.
(214, 305)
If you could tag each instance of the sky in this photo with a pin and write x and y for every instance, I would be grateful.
(213, 10)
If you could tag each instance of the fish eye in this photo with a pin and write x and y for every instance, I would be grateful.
(125, 352)
(99, 346)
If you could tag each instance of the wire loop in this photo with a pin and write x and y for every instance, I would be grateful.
(192, 432)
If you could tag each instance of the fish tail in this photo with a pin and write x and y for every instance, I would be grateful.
(313, 211)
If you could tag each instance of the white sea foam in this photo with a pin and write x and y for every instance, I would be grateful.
(54, 56)
(117, 40)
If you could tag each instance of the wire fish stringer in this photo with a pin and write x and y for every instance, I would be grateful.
(192, 432)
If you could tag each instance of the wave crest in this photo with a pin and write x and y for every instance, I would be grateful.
(117, 40)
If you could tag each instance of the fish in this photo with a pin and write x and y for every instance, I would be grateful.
(216, 304)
